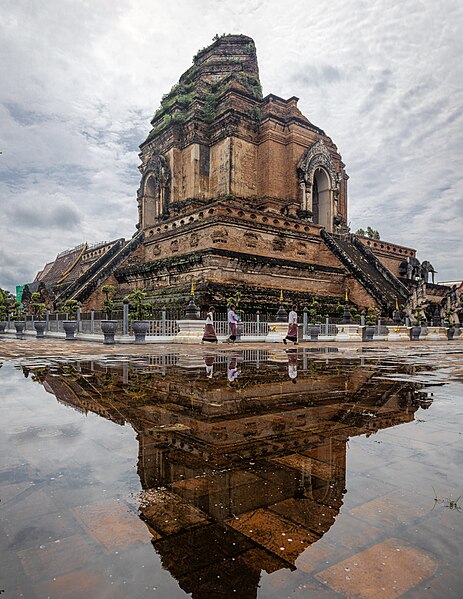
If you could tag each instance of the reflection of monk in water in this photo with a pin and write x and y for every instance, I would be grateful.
(233, 372)
(209, 361)
(292, 366)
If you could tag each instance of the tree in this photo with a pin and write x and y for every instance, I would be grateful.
(371, 233)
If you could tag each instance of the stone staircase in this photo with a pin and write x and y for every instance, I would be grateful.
(367, 269)
(101, 269)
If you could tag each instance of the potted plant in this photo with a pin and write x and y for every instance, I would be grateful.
(38, 310)
(313, 315)
(18, 317)
(3, 318)
(370, 324)
(449, 324)
(108, 326)
(415, 330)
(4, 305)
(70, 307)
(138, 313)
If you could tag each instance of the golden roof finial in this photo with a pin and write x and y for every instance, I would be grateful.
(281, 295)
(347, 295)
(396, 304)
(192, 287)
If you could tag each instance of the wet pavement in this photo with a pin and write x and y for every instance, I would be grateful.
(251, 471)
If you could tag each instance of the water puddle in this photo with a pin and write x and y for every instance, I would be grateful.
(252, 474)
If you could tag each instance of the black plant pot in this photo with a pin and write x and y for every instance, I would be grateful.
(415, 333)
(109, 328)
(140, 328)
(70, 327)
(40, 326)
(369, 332)
(313, 331)
(19, 325)
(3, 324)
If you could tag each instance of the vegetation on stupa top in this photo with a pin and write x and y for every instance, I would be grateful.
(193, 95)
(369, 232)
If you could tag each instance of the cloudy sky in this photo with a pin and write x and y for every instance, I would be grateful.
(80, 81)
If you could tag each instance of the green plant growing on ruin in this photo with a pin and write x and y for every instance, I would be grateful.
(37, 305)
(210, 106)
(369, 232)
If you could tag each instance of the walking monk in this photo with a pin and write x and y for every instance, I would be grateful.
(209, 331)
(292, 327)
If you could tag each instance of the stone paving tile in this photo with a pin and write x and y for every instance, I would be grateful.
(387, 570)
(307, 513)
(362, 488)
(113, 525)
(320, 555)
(167, 513)
(352, 533)
(278, 535)
(416, 476)
(77, 585)
(33, 532)
(56, 558)
(394, 509)
(12, 491)
(309, 465)
(29, 505)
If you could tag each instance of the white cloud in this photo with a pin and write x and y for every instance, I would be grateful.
(80, 81)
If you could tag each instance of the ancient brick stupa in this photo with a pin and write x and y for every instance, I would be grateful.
(241, 192)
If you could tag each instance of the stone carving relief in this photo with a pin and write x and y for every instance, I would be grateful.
(278, 244)
(156, 250)
(251, 240)
(413, 270)
(219, 236)
(174, 246)
(301, 249)
(194, 240)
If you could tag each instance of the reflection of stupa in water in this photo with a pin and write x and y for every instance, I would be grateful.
(239, 476)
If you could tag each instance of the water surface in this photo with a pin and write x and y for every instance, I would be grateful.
(256, 474)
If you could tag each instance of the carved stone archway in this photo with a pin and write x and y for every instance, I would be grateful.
(314, 166)
(154, 193)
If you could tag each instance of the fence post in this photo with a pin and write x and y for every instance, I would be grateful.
(379, 327)
(304, 321)
(79, 320)
(32, 322)
(47, 320)
(163, 323)
(258, 324)
(125, 318)
(362, 318)
(92, 321)
(407, 321)
(327, 325)
(57, 322)
(9, 321)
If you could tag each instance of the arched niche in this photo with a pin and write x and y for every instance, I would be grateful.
(321, 199)
(154, 192)
(319, 182)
